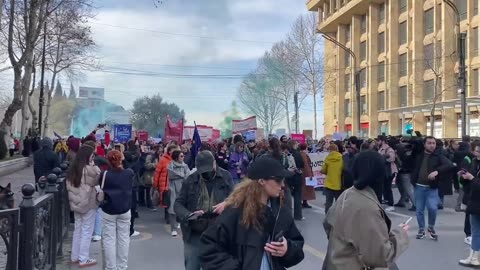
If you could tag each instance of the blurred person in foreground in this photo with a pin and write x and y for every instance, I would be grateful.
(255, 231)
(361, 235)
(201, 199)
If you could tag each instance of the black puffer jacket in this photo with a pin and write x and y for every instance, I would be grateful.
(472, 189)
(230, 245)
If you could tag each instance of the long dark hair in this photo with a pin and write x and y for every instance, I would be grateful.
(274, 145)
(81, 160)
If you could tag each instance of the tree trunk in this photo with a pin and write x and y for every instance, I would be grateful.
(1, 9)
(432, 111)
(315, 114)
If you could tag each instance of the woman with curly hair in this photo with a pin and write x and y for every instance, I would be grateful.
(255, 231)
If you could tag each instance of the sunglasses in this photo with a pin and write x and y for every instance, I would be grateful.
(181, 156)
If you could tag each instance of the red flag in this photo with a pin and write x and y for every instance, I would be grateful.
(173, 131)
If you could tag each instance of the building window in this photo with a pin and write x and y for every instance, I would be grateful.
(474, 91)
(403, 6)
(381, 13)
(381, 101)
(335, 109)
(363, 23)
(475, 7)
(462, 9)
(403, 96)
(402, 31)
(475, 41)
(428, 21)
(348, 32)
(402, 63)
(428, 91)
(348, 83)
(428, 56)
(363, 51)
(363, 78)
(348, 108)
(381, 72)
(363, 104)
(347, 59)
(381, 42)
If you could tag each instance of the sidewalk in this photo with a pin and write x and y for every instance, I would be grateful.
(17, 180)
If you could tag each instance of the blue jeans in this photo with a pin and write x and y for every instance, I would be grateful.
(475, 227)
(426, 196)
(98, 223)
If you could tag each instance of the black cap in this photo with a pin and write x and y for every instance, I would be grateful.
(266, 167)
(204, 162)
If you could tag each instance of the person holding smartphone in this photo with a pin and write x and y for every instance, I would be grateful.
(471, 179)
(254, 231)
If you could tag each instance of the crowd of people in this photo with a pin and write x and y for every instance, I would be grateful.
(236, 201)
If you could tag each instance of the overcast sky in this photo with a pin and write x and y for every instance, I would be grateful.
(133, 36)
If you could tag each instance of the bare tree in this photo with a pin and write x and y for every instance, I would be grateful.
(306, 44)
(70, 46)
(257, 96)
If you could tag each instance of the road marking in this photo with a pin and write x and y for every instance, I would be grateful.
(315, 252)
(322, 212)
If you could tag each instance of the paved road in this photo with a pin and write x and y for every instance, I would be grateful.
(156, 249)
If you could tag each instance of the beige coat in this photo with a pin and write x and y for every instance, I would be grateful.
(358, 233)
(84, 198)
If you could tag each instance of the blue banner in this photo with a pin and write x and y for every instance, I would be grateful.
(122, 133)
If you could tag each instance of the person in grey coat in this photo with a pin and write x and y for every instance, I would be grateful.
(178, 171)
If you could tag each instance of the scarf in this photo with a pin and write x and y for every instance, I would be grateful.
(206, 201)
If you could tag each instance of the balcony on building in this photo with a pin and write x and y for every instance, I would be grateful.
(334, 12)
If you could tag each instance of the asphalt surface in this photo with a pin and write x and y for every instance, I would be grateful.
(156, 249)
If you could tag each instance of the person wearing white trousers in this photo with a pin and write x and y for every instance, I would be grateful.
(84, 224)
(116, 240)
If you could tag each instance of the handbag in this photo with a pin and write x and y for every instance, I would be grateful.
(100, 193)
(155, 197)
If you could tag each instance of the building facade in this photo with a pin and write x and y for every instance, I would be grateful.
(406, 55)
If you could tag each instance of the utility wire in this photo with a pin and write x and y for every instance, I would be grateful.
(180, 34)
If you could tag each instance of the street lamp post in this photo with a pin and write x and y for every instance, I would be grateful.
(462, 78)
(356, 79)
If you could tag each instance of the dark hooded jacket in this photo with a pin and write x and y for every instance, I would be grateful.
(45, 159)
(230, 245)
(436, 162)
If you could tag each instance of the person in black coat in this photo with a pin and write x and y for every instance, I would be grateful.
(44, 160)
(295, 182)
(255, 231)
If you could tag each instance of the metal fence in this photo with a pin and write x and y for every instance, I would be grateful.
(33, 233)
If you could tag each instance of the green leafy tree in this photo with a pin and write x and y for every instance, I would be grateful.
(226, 125)
(150, 113)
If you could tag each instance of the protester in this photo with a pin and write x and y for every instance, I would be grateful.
(44, 160)
(81, 181)
(160, 180)
(332, 168)
(255, 214)
(308, 192)
(472, 176)
(295, 163)
(428, 166)
(178, 172)
(61, 149)
(223, 156)
(391, 170)
(238, 163)
(151, 161)
(406, 154)
(360, 233)
(201, 200)
(117, 213)
(11, 145)
(352, 147)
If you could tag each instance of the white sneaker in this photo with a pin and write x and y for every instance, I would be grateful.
(390, 209)
(178, 226)
(468, 240)
(174, 234)
(96, 238)
(135, 233)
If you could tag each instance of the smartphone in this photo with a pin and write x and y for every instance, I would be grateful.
(406, 221)
(278, 237)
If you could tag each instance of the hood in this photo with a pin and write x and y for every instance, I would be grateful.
(334, 157)
(46, 143)
(176, 164)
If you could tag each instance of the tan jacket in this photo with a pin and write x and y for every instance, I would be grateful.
(84, 198)
(358, 233)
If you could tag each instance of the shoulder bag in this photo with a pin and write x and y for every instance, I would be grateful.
(100, 193)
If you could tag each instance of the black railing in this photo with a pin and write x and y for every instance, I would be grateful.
(33, 233)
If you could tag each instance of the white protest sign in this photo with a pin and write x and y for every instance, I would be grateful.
(317, 160)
